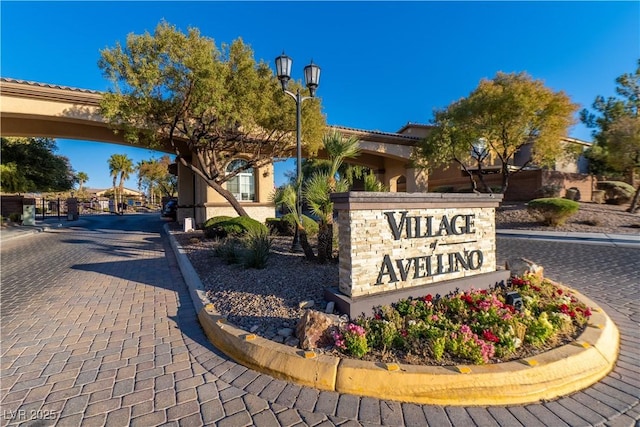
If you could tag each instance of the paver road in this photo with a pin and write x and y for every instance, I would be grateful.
(97, 328)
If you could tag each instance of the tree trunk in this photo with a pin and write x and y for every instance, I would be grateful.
(634, 203)
(304, 242)
(505, 178)
(323, 242)
(330, 242)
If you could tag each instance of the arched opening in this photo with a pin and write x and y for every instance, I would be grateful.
(398, 184)
(242, 186)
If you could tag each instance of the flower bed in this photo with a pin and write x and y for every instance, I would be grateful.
(473, 327)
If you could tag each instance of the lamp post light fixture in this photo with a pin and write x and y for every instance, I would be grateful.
(311, 79)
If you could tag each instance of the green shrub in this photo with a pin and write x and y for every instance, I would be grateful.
(214, 220)
(309, 224)
(236, 227)
(15, 217)
(616, 192)
(552, 211)
(279, 227)
(257, 246)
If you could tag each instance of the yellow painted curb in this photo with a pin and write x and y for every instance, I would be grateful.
(278, 360)
(555, 373)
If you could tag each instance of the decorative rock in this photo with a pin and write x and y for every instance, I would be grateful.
(330, 307)
(306, 304)
(285, 332)
(312, 329)
(292, 342)
(521, 266)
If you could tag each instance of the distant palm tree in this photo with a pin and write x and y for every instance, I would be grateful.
(120, 165)
(82, 177)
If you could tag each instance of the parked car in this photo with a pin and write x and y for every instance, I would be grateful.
(170, 209)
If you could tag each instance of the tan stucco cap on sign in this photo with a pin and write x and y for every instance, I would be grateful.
(354, 200)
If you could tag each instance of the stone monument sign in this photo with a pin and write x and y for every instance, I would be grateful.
(394, 245)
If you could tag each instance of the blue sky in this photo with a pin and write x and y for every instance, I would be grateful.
(383, 63)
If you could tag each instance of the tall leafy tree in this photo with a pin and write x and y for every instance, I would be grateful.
(605, 113)
(120, 165)
(209, 104)
(154, 177)
(30, 164)
(504, 114)
(614, 121)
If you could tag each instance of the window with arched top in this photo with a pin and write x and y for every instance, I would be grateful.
(242, 186)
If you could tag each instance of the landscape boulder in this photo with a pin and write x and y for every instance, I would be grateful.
(313, 329)
(522, 266)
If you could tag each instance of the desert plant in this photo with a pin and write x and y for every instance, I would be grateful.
(257, 244)
(230, 250)
(616, 192)
(552, 211)
(15, 217)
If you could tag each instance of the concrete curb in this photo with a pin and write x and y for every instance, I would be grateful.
(552, 374)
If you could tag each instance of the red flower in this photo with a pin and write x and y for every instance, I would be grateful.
(489, 336)
(559, 291)
(428, 298)
(404, 332)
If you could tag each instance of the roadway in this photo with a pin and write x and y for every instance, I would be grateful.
(98, 328)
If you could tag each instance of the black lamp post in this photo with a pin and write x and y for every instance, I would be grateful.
(311, 79)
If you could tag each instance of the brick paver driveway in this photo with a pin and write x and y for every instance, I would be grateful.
(97, 328)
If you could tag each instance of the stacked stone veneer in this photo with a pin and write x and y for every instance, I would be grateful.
(365, 237)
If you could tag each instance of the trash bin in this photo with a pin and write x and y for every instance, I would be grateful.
(188, 224)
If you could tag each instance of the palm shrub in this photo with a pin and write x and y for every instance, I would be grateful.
(552, 211)
(319, 188)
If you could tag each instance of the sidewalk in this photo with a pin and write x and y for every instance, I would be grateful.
(14, 231)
